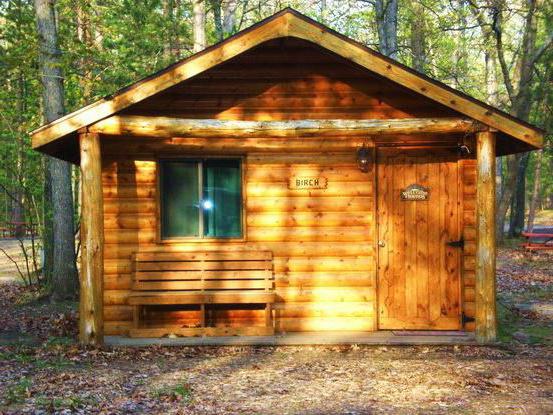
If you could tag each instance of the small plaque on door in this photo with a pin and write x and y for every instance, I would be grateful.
(415, 192)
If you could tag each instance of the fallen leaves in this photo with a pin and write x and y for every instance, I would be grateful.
(58, 376)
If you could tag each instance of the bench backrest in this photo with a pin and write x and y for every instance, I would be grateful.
(205, 271)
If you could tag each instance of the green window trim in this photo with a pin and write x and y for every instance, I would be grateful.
(201, 198)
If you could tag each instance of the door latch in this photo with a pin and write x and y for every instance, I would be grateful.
(465, 319)
(457, 244)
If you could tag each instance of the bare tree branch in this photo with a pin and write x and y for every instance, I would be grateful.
(16, 265)
(541, 50)
(497, 28)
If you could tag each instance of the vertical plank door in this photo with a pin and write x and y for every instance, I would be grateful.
(418, 273)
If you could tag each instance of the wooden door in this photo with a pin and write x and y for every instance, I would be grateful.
(418, 273)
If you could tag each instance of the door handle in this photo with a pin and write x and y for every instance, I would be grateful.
(381, 244)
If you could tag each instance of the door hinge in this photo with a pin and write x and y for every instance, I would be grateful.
(465, 319)
(457, 244)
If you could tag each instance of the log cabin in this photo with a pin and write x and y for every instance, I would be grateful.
(287, 179)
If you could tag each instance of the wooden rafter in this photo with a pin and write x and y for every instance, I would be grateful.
(288, 24)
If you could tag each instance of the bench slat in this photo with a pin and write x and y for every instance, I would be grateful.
(199, 285)
(203, 256)
(208, 275)
(194, 297)
(198, 266)
(202, 331)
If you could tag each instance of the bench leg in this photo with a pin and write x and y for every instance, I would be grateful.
(135, 316)
(202, 315)
(268, 315)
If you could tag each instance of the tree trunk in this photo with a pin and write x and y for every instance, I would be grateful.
(509, 183)
(535, 192)
(217, 19)
(460, 48)
(172, 44)
(518, 207)
(17, 214)
(168, 22)
(229, 18)
(64, 270)
(499, 179)
(417, 39)
(386, 23)
(199, 25)
(47, 231)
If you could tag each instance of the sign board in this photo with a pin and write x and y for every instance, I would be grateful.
(307, 182)
(415, 192)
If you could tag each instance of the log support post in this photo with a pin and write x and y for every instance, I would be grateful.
(91, 323)
(486, 324)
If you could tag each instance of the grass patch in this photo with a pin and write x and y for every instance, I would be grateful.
(512, 326)
(36, 294)
(537, 293)
(57, 363)
(20, 356)
(55, 342)
(540, 334)
(18, 392)
(25, 357)
(57, 404)
(174, 393)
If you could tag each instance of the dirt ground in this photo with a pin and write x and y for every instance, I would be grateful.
(12, 248)
(42, 370)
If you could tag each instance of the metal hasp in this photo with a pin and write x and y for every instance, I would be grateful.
(465, 319)
(457, 244)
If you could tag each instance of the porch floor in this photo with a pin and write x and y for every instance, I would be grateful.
(306, 338)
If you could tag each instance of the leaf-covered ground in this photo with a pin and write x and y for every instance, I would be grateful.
(43, 371)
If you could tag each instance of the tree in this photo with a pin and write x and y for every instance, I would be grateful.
(518, 88)
(417, 38)
(229, 17)
(217, 19)
(64, 270)
(198, 26)
(535, 192)
(386, 23)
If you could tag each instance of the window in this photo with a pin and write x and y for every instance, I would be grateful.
(201, 198)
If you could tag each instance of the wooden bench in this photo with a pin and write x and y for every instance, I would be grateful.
(202, 278)
(538, 241)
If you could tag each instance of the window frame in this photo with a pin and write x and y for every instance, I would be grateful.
(201, 238)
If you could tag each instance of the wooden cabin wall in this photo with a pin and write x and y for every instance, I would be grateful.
(322, 240)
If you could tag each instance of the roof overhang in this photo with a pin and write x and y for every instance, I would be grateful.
(53, 137)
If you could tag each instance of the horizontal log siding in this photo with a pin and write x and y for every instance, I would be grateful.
(288, 79)
(322, 242)
(468, 175)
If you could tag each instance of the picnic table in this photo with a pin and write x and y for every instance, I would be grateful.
(538, 239)
(13, 229)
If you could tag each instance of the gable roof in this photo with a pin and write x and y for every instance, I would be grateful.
(289, 23)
